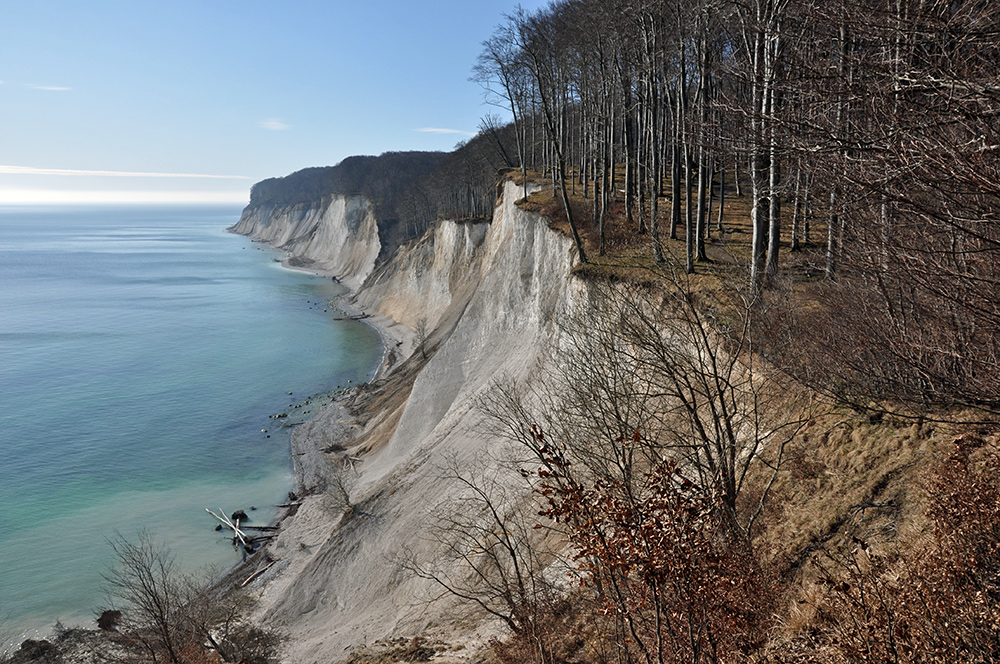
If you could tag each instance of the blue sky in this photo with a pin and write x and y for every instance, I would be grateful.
(171, 100)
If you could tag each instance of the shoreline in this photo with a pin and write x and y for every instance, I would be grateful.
(319, 505)
(240, 492)
(312, 467)
(397, 339)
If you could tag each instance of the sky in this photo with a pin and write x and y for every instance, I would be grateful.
(194, 101)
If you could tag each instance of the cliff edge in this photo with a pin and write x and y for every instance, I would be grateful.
(336, 236)
(484, 300)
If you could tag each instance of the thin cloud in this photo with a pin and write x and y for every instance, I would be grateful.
(30, 170)
(49, 88)
(439, 130)
(273, 124)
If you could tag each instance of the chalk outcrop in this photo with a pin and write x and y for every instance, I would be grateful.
(489, 297)
(337, 236)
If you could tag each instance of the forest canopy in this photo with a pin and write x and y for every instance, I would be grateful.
(867, 129)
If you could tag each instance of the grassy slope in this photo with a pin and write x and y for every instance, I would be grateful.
(850, 474)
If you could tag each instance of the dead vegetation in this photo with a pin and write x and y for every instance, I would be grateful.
(864, 495)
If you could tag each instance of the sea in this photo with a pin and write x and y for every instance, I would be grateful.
(142, 353)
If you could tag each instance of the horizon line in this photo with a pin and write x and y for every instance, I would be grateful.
(28, 197)
(32, 170)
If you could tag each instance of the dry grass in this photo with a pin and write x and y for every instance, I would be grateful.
(629, 253)
(845, 477)
(849, 474)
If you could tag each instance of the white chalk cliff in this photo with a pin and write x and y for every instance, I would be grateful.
(490, 297)
(336, 236)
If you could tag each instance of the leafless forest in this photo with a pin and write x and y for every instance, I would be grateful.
(859, 266)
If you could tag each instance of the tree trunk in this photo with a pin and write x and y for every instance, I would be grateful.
(797, 210)
(689, 230)
(653, 100)
(700, 219)
(703, 91)
(675, 166)
(836, 221)
(722, 195)
(807, 209)
(711, 200)
(831, 236)
(736, 175)
(758, 166)
(630, 157)
(774, 164)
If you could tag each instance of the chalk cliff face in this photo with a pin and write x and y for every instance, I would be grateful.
(492, 307)
(337, 236)
(420, 282)
(489, 297)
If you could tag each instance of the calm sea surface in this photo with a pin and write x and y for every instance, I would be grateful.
(141, 352)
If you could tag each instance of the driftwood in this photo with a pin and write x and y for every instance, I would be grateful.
(240, 535)
(257, 573)
(261, 538)
(247, 544)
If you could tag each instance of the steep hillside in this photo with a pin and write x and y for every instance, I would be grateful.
(390, 511)
(490, 297)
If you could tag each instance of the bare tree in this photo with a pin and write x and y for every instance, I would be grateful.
(500, 64)
(646, 438)
(649, 374)
(145, 585)
(171, 617)
(494, 557)
(540, 40)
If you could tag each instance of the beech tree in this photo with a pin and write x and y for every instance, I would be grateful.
(541, 41)
(501, 63)
(875, 119)
(903, 146)
(663, 365)
(668, 568)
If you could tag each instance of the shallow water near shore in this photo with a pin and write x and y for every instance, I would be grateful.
(141, 352)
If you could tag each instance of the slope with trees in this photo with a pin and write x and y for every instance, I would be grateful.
(874, 122)
(871, 125)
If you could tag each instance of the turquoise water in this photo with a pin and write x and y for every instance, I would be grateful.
(141, 352)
